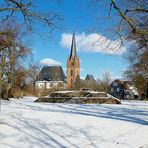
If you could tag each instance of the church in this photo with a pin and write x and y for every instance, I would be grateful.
(53, 76)
(73, 65)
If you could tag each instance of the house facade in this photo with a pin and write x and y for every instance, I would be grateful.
(50, 77)
(122, 90)
(43, 85)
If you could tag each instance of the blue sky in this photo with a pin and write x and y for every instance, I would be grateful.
(85, 19)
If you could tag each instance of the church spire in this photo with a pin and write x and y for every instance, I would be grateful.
(73, 65)
(73, 47)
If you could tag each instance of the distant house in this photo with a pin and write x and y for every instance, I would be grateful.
(89, 83)
(89, 77)
(49, 77)
(122, 90)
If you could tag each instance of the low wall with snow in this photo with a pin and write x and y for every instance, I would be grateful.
(79, 97)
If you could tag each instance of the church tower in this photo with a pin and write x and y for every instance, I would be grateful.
(73, 65)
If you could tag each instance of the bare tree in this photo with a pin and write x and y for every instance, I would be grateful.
(129, 19)
(137, 73)
(28, 13)
(33, 73)
(106, 81)
(134, 21)
(20, 83)
(11, 55)
(131, 15)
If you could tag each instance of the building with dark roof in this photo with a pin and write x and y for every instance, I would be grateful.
(49, 77)
(51, 73)
(89, 77)
(122, 90)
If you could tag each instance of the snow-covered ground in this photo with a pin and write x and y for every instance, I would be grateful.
(24, 124)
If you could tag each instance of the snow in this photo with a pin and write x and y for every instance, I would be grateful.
(25, 124)
(68, 91)
(89, 91)
(110, 96)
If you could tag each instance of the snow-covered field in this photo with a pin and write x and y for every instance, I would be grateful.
(24, 124)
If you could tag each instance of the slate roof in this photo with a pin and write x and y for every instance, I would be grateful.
(73, 47)
(89, 77)
(51, 73)
(123, 84)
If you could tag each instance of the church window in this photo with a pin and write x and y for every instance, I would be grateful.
(72, 63)
(71, 72)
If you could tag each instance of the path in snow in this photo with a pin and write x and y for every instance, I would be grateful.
(24, 124)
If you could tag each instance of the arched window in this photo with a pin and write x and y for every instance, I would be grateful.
(71, 72)
(118, 89)
(112, 89)
(72, 63)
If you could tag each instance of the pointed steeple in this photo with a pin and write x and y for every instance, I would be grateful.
(73, 47)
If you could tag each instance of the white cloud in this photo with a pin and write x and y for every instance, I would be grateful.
(93, 43)
(49, 61)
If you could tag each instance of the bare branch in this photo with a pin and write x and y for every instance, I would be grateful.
(133, 27)
(29, 16)
(137, 9)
